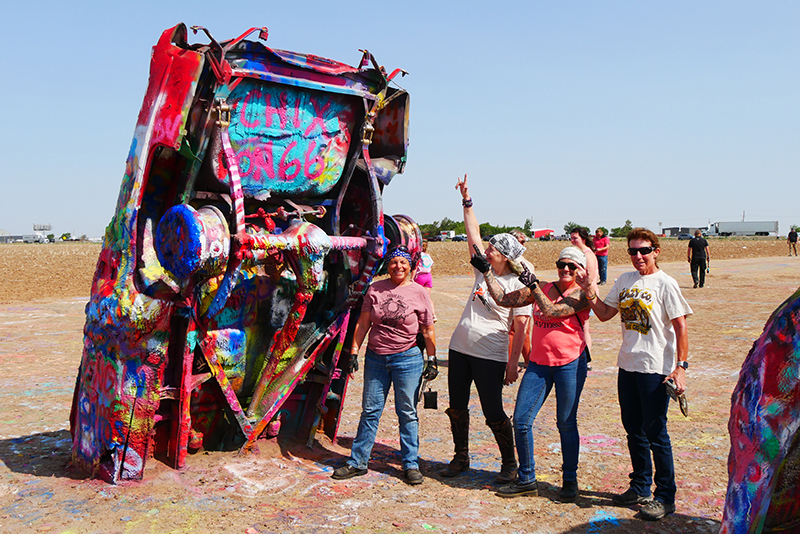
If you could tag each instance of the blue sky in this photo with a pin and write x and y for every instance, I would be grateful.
(673, 112)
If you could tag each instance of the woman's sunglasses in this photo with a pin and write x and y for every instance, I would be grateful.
(566, 265)
(644, 251)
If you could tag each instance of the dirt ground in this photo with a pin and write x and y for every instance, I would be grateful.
(286, 486)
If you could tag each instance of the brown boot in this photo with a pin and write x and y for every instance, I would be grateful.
(504, 434)
(459, 425)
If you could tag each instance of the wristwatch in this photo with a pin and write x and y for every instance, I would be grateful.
(683, 364)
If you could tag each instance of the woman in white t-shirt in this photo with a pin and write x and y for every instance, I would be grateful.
(479, 348)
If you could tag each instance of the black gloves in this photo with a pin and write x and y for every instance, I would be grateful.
(431, 369)
(479, 261)
(528, 278)
(349, 362)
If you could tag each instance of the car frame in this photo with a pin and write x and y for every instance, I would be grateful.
(248, 226)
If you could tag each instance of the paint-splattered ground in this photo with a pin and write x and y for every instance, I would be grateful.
(286, 486)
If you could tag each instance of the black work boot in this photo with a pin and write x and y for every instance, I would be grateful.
(504, 434)
(459, 425)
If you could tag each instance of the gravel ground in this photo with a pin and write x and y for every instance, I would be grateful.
(285, 486)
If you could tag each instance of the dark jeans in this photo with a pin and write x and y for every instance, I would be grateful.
(701, 266)
(488, 375)
(602, 268)
(643, 401)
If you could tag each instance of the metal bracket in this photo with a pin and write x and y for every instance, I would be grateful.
(223, 112)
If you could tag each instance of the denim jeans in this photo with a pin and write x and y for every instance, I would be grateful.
(536, 384)
(602, 267)
(643, 401)
(381, 371)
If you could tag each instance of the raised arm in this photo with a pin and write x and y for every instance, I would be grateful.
(570, 305)
(471, 225)
(602, 311)
(515, 299)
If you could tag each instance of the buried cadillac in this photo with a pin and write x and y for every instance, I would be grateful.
(249, 224)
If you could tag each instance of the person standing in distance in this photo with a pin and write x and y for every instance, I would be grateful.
(698, 257)
(601, 245)
(792, 240)
(655, 347)
(526, 347)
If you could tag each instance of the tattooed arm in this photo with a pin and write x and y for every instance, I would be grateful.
(570, 305)
(515, 299)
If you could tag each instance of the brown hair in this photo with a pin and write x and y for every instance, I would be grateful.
(643, 233)
(583, 233)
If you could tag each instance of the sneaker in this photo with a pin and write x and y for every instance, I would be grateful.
(630, 497)
(695, 285)
(515, 489)
(569, 491)
(347, 471)
(414, 477)
(655, 510)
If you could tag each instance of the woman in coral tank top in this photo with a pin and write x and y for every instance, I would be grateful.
(558, 358)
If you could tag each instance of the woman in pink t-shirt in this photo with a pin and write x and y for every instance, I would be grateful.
(558, 358)
(394, 311)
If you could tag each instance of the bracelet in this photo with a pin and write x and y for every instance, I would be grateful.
(466, 202)
(592, 297)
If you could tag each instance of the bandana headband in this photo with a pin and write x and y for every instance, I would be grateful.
(397, 251)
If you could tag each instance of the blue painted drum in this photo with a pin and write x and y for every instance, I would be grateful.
(190, 240)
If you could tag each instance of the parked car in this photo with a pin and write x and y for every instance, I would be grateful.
(684, 237)
(460, 237)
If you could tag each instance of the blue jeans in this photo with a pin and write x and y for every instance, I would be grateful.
(536, 384)
(381, 371)
(643, 401)
(602, 267)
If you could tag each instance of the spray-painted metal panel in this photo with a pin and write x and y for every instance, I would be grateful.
(764, 462)
(248, 225)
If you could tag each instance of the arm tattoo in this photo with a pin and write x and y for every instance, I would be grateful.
(572, 304)
(515, 299)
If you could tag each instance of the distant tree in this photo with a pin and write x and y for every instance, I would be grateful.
(65, 237)
(623, 231)
(528, 226)
(51, 238)
(84, 238)
(569, 226)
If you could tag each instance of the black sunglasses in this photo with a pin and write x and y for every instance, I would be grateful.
(564, 264)
(644, 251)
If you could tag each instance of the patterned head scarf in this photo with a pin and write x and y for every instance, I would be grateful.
(507, 245)
(402, 251)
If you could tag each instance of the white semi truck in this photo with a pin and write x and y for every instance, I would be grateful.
(743, 228)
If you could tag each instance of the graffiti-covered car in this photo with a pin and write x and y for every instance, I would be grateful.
(249, 223)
